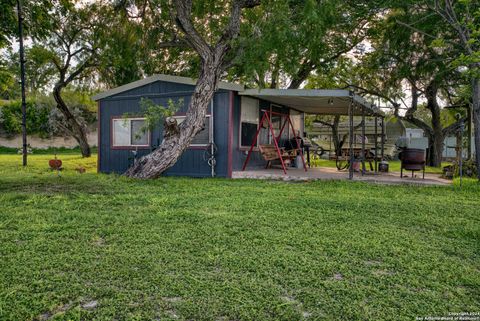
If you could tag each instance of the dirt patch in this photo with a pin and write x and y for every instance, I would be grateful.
(90, 305)
(382, 273)
(298, 306)
(59, 309)
(98, 241)
(337, 277)
(173, 299)
(172, 314)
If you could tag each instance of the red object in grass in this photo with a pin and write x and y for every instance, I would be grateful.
(55, 163)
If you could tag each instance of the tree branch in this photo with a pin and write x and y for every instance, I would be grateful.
(452, 128)
(183, 20)
(344, 137)
(231, 32)
(324, 123)
(179, 43)
(374, 93)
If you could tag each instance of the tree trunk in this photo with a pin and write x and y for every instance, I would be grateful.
(337, 143)
(78, 131)
(436, 140)
(476, 120)
(177, 138)
(435, 150)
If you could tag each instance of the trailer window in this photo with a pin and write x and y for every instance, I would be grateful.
(130, 132)
(203, 137)
(249, 119)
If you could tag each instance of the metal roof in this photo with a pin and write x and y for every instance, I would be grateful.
(311, 101)
(316, 101)
(161, 77)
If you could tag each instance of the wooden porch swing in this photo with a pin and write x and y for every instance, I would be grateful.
(280, 154)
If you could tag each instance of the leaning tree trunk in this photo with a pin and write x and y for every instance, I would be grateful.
(78, 131)
(476, 120)
(177, 138)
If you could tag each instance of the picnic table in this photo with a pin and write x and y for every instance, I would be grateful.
(343, 160)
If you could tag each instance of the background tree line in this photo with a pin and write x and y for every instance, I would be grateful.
(415, 57)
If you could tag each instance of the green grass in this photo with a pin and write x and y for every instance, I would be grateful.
(394, 166)
(219, 249)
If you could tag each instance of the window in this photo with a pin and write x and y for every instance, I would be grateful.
(296, 118)
(248, 121)
(130, 132)
(203, 137)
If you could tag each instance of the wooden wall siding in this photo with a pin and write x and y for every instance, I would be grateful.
(191, 163)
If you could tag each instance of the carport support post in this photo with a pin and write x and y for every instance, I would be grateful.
(350, 139)
(376, 143)
(383, 138)
(363, 141)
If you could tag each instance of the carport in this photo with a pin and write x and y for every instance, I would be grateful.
(331, 102)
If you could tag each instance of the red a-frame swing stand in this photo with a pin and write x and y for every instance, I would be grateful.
(275, 138)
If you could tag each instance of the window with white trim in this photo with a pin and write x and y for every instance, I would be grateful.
(204, 136)
(130, 132)
(249, 119)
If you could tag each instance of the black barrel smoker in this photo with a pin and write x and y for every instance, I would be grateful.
(413, 159)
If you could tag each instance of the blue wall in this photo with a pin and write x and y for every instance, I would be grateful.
(191, 163)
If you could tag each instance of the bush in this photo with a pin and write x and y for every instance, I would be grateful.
(43, 118)
(469, 169)
(37, 118)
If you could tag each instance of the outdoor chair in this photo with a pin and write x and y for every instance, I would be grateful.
(269, 154)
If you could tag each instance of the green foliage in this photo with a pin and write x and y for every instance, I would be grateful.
(78, 99)
(155, 114)
(36, 19)
(42, 116)
(7, 82)
(207, 249)
(37, 118)
(40, 74)
(289, 40)
(469, 169)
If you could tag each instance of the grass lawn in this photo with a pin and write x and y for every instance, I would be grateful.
(104, 247)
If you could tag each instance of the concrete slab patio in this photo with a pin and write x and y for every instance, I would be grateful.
(328, 173)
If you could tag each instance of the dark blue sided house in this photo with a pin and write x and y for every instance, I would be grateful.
(230, 125)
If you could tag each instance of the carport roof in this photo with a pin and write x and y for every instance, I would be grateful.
(316, 101)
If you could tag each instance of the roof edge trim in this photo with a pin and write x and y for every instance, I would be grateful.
(162, 77)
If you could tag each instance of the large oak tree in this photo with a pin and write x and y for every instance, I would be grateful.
(463, 19)
(72, 50)
(408, 70)
(215, 57)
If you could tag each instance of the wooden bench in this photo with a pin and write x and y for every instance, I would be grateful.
(269, 153)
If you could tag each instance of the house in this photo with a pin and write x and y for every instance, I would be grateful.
(231, 122)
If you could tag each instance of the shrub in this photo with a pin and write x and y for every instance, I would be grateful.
(37, 118)
(43, 118)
